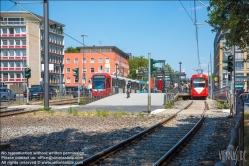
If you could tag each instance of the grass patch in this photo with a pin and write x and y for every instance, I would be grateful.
(141, 115)
(246, 138)
(81, 101)
(222, 105)
(169, 105)
(102, 113)
(48, 110)
(180, 99)
(72, 111)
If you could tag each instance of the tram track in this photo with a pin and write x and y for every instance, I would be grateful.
(140, 144)
(15, 111)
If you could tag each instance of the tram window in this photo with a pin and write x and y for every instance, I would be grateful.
(108, 83)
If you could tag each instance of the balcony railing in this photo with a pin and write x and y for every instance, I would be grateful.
(13, 57)
(13, 80)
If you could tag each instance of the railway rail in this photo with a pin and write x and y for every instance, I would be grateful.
(15, 111)
(153, 146)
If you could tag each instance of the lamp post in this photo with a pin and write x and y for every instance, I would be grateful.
(83, 75)
(60, 79)
(180, 72)
(116, 73)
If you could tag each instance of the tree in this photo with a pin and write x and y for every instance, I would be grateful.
(231, 17)
(72, 50)
(136, 63)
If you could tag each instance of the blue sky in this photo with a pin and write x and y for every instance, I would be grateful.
(162, 28)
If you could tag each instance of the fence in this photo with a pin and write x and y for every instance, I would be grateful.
(22, 100)
(171, 96)
(234, 153)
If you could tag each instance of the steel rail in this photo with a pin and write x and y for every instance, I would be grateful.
(95, 158)
(15, 112)
(180, 143)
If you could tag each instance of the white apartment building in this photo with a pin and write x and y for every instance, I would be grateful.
(22, 45)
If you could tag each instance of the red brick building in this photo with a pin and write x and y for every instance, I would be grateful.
(93, 60)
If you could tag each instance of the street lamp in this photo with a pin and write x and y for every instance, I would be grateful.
(116, 73)
(180, 72)
(83, 75)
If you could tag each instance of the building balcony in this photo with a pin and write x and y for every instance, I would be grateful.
(13, 46)
(12, 68)
(13, 35)
(14, 80)
(13, 57)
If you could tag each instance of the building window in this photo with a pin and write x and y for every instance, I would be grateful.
(84, 60)
(12, 64)
(68, 80)
(11, 30)
(239, 65)
(100, 69)
(23, 52)
(5, 42)
(4, 64)
(17, 31)
(68, 61)
(11, 42)
(18, 75)
(23, 42)
(5, 75)
(23, 29)
(18, 64)
(84, 70)
(5, 53)
(18, 42)
(4, 30)
(76, 60)
(76, 80)
(92, 60)
(107, 70)
(107, 60)
(100, 60)
(11, 52)
(68, 70)
(12, 75)
(92, 70)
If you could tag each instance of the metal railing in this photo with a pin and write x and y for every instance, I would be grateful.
(171, 96)
(234, 154)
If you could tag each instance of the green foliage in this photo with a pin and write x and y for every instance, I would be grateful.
(81, 101)
(222, 105)
(141, 115)
(230, 17)
(119, 114)
(180, 99)
(135, 64)
(48, 110)
(72, 50)
(102, 113)
(72, 111)
(169, 105)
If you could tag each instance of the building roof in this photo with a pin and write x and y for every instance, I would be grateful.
(24, 13)
(114, 48)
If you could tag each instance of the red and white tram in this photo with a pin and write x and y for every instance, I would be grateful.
(199, 86)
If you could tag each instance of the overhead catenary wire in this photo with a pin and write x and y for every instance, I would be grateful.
(18, 4)
(196, 30)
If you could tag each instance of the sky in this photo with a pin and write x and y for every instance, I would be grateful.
(162, 28)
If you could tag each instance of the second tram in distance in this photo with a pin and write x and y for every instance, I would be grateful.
(103, 83)
(199, 86)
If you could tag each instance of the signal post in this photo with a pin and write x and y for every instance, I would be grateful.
(76, 75)
(230, 68)
(27, 74)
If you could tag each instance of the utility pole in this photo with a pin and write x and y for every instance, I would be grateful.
(46, 54)
(149, 97)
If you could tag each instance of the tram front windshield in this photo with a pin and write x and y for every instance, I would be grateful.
(98, 82)
(199, 82)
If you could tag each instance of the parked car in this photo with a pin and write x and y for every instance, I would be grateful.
(38, 93)
(83, 90)
(7, 94)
